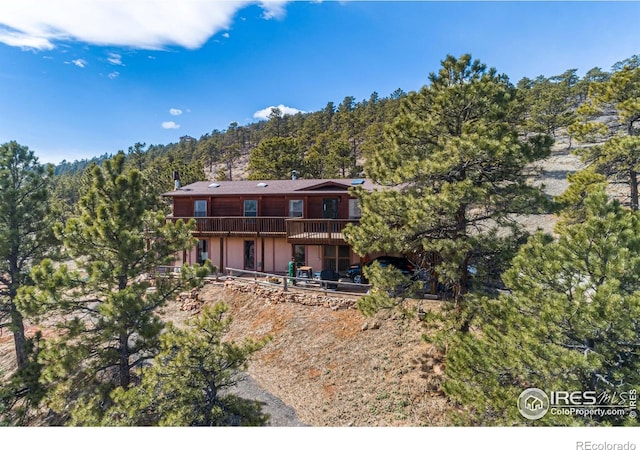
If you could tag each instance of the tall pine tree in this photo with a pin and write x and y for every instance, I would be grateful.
(26, 232)
(569, 322)
(617, 151)
(454, 171)
(107, 323)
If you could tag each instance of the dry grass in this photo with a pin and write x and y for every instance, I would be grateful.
(332, 370)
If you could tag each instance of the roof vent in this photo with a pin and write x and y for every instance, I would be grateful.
(357, 181)
(214, 185)
(261, 185)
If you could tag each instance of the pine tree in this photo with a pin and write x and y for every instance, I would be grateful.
(551, 103)
(453, 171)
(26, 234)
(569, 323)
(274, 159)
(189, 380)
(617, 151)
(107, 324)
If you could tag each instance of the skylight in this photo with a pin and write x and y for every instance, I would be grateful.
(357, 181)
(261, 185)
(214, 185)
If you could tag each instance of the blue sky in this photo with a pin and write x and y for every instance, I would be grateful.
(79, 78)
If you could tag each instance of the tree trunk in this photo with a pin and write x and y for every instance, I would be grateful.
(125, 376)
(19, 339)
(633, 176)
(460, 289)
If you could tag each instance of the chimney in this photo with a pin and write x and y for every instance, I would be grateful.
(176, 180)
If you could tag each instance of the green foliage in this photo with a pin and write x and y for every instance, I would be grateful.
(617, 151)
(570, 322)
(550, 103)
(188, 382)
(274, 159)
(581, 185)
(107, 325)
(26, 235)
(22, 392)
(453, 168)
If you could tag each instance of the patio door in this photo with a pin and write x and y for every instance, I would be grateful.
(329, 208)
(249, 255)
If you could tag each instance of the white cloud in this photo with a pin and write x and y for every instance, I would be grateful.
(113, 75)
(175, 111)
(225, 35)
(170, 125)
(24, 40)
(79, 62)
(39, 24)
(115, 59)
(273, 9)
(286, 110)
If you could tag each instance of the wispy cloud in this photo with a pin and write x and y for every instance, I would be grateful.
(225, 35)
(273, 9)
(113, 75)
(40, 24)
(24, 40)
(170, 125)
(79, 62)
(175, 111)
(285, 110)
(115, 59)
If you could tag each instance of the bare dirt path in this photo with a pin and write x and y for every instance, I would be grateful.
(280, 414)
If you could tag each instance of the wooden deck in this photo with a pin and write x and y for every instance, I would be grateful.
(296, 231)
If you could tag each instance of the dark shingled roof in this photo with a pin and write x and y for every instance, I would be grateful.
(268, 187)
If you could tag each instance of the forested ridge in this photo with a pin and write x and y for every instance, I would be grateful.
(332, 142)
(456, 161)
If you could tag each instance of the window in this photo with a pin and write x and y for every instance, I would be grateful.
(249, 255)
(203, 251)
(336, 257)
(251, 208)
(300, 255)
(296, 208)
(354, 209)
(329, 208)
(200, 208)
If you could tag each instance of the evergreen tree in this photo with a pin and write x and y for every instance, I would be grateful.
(571, 202)
(617, 151)
(274, 159)
(107, 323)
(188, 382)
(453, 172)
(569, 323)
(551, 103)
(26, 234)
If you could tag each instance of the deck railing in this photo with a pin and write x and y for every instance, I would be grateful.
(240, 226)
(317, 231)
(301, 231)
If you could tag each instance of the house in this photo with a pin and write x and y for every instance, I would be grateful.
(259, 225)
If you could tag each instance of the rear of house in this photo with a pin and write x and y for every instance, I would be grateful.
(260, 225)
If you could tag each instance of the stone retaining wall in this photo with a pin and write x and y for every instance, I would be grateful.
(278, 295)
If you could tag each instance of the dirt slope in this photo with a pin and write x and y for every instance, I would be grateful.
(338, 368)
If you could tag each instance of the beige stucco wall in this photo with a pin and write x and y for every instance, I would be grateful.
(314, 257)
(277, 253)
